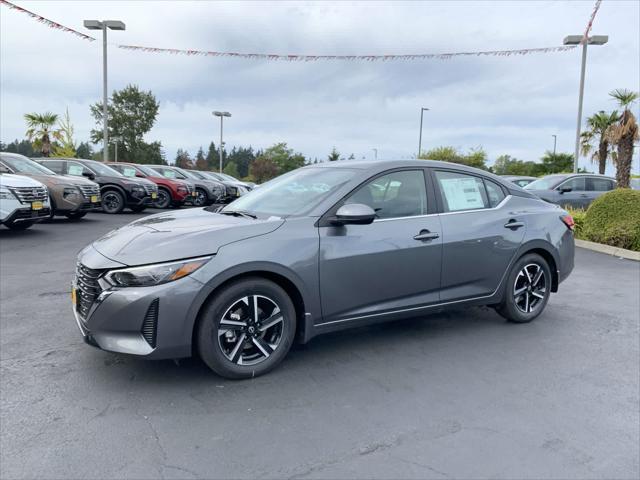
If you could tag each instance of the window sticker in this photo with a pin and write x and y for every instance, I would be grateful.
(169, 173)
(129, 172)
(75, 170)
(462, 193)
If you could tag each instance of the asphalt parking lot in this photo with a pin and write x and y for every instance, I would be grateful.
(455, 395)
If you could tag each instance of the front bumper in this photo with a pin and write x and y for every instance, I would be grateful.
(28, 215)
(152, 322)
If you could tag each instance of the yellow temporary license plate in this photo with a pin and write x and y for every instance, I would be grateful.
(73, 296)
(94, 198)
(154, 195)
(36, 205)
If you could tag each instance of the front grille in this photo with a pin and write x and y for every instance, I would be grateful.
(87, 287)
(150, 324)
(89, 190)
(30, 194)
(26, 214)
(150, 188)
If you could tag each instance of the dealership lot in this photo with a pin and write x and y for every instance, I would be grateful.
(460, 394)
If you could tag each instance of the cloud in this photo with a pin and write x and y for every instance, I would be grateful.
(506, 105)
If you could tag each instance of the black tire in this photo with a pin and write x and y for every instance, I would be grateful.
(202, 199)
(138, 208)
(256, 347)
(526, 294)
(75, 215)
(19, 225)
(112, 201)
(164, 198)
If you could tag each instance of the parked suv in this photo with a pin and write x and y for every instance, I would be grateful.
(172, 192)
(117, 190)
(23, 201)
(571, 190)
(232, 189)
(207, 191)
(69, 196)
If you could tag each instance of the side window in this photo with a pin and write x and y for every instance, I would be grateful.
(576, 184)
(461, 192)
(599, 184)
(55, 165)
(495, 194)
(77, 169)
(397, 194)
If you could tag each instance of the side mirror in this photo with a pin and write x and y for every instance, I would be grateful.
(354, 214)
(89, 175)
(565, 189)
(4, 169)
(139, 175)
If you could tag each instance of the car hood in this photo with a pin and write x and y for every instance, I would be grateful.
(10, 180)
(59, 180)
(180, 234)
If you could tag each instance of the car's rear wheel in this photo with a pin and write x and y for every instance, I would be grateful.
(246, 329)
(75, 215)
(528, 289)
(164, 198)
(112, 201)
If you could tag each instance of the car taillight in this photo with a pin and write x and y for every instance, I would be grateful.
(568, 221)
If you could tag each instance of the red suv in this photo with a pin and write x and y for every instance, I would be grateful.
(171, 191)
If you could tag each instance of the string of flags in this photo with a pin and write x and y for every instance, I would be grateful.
(311, 58)
(596, 7)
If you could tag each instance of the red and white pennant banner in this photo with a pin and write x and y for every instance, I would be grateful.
(370, 58)
(587, 30)
(311, 58)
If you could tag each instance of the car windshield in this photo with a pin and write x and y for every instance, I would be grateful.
(187, 174)
(546, 183)
(198, 175)
(24, 165)
(100, 169)
(227, 177)
(213, 175)
(147, 171)
(293, 193)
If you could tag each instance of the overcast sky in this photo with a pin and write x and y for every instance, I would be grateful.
(507, 105)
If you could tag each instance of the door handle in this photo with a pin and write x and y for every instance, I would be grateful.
(584, 195)
(426, 235)
(513, 224)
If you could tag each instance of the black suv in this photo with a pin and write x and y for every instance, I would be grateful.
(117, 190)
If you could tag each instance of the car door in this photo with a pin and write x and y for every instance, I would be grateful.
(390, 265)
(577, 197)
(480, 233)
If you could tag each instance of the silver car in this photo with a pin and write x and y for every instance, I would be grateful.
(575, 190)
(319, 249)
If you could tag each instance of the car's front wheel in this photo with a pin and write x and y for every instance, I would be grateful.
(164, 198)
(112, 201)
(528, 289)
(247, 328)
(201, 199)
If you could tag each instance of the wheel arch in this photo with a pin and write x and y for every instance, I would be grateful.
(546, 251)
(278, 275)
(113, 186)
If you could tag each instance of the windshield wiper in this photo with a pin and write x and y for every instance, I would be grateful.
(238, 213)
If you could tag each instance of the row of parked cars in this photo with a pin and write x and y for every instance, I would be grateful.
(34, 189)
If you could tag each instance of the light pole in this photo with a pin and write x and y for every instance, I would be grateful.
(577, 40)
(221, 115)
(375, 153)
(115, 141)
(103, 25)
(555, 138)
(420, 139)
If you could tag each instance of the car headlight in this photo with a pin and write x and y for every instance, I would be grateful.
(156, 274)
(71, 191)
(6, 194)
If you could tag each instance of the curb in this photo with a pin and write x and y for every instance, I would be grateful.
(609, 250)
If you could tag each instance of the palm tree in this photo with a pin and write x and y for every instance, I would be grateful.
(39, 131)
(598, 124)
(623, 134)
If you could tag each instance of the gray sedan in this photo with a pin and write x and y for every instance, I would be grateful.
(319, 249)
(571, 190)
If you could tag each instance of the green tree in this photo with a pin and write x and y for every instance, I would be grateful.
(623, 134)
(556, 163)
(507, 165)
(284, 157)
(231, 169)
(23, 147)
(334, 155)
(200, 160)
(597, 134)
(67, 146)
(475, 158)
(40, 131)
(132, 113)
(242, 157)
(213, 157)
(263, 168)
(84, 150)
(183, 160)
(151, 153)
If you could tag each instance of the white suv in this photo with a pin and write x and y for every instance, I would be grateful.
(23, 201)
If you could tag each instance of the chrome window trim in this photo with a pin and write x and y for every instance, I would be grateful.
(504, 200)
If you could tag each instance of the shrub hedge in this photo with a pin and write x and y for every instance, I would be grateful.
(614, 219)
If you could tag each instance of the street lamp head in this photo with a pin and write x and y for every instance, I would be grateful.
(593, 40)
(93, 24)
(110, 24)
(221, 114)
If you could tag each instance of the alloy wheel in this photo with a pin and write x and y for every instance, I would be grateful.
(250, 330)
(530, 288)
(163, 199)
(201, 198)
(111, 202)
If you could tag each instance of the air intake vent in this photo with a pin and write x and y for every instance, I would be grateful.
(150, 325)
